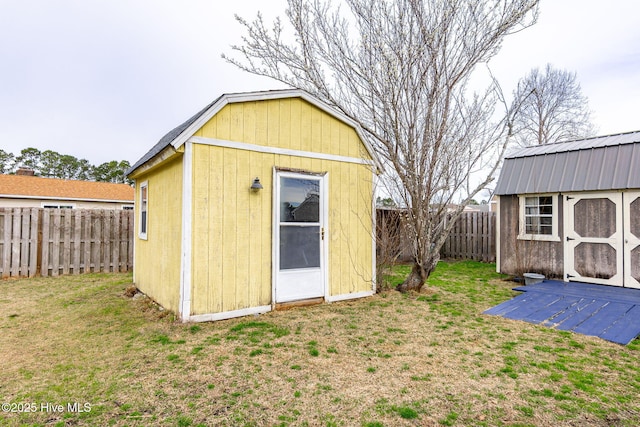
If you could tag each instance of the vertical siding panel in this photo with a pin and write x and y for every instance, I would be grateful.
(295, 162)
(306, 125)
(368, 236)
(254, 223)
(249, 124)
(326, 143)
(295, 124)
(223, 123)
(337, 241)
(354, 146)
(305, 164)
(345, 255)
(261, 123)
(316, 166)
(358, 210)
(329, 233)
(229, 232)
(334, 138)
(267, 162)
(285, 124)
(345, 134)
(283, 161)
(354, 210)
(315, 142)
(236, 128)
(217, 203)
(273, 123)
(201, 200)
(243, 232)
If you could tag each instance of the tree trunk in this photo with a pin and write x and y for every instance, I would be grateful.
(418, 276)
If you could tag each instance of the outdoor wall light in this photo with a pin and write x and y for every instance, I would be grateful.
(256, 186)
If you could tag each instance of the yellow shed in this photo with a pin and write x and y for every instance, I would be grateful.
(261, 199)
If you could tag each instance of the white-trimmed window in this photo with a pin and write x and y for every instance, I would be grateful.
(144, 210)
(539, 217)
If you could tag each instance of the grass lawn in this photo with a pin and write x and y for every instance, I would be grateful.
(423, 359)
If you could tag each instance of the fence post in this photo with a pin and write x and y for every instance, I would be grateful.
(46, 237)
(6, 242)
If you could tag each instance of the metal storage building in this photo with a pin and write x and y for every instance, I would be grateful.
(572, 210)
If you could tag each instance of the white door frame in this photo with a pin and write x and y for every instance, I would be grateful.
(572, 239)
(630, 241)
(322, 274)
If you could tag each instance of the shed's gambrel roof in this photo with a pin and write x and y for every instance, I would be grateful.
(609, 162)
(182, 133)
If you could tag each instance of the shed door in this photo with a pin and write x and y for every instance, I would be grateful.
(594, 238)
(632, 239)
(299, 237)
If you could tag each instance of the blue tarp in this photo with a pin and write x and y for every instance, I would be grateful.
(608, 312)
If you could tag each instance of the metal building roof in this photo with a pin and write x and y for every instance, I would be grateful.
(609, 162)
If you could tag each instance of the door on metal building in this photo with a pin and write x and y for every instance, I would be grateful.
(631, 213)
(594, 238)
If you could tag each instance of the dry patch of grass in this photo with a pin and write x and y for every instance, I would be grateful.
(422, 359)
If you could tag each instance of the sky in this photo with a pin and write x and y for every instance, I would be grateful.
(106, 79)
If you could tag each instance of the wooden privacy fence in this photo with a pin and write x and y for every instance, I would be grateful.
(473, 237)
(50, 242)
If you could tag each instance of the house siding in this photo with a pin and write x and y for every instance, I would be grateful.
(157, 259)
(232, 245)
(78, 204)
(519, 256)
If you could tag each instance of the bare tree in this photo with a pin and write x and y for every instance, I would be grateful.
(552, 109)
(400, 68)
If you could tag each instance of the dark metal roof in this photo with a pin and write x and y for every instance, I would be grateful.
(609, 162)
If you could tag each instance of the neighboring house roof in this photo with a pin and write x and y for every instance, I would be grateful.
(609, 162)
(182, 133)
(33, 187)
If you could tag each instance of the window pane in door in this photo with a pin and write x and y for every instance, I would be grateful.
(299, 200)
(299, 247)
